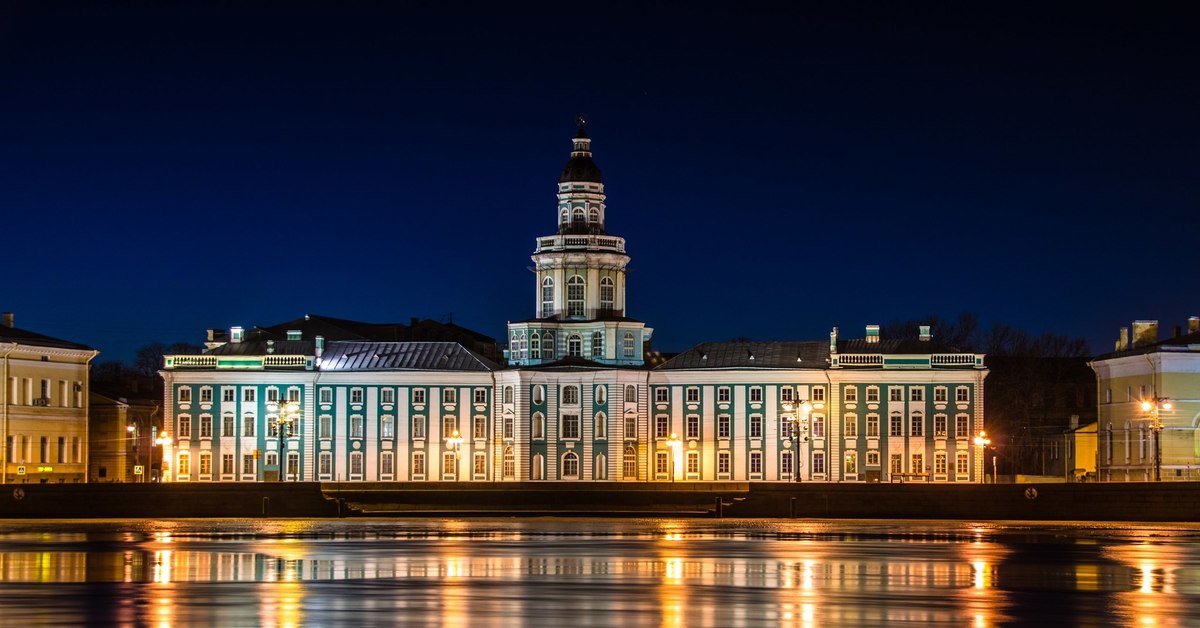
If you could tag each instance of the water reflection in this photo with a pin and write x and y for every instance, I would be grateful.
(672, 573)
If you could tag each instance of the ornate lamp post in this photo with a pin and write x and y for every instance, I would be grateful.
(673, 447)
(164, 442)
(983, 441)
(286, 415)
(796, 414)
(453, 442)
(137, 454)
(1153, 407)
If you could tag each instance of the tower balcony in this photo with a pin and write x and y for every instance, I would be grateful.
(604, 243)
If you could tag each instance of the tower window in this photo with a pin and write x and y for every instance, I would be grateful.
(579, 215)
(594, 216)
(547, 297)
(575, 346)
(606, 294)
(597, 344)
(575, 296)
(628, 344)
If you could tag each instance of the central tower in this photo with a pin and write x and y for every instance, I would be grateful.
(580, 284)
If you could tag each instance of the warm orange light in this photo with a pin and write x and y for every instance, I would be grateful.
(1147, 406)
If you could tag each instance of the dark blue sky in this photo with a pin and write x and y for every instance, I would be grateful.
(168, 167)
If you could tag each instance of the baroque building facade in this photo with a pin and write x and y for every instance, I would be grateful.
(321, 399)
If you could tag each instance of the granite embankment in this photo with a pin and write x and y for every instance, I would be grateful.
(1167, 501)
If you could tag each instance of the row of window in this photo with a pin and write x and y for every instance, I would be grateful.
(387, 426)
(577, 295)
(851, 424)
(21, 391)
(531, 346)
(817, 394)
(325, 395)
(577, 216)
(18, 449)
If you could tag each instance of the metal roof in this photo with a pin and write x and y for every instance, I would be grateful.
(402, 356)
(752, 355)
(259, 347)
(895, 346)
(26, 337)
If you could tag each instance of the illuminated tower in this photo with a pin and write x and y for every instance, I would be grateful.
(580, 279)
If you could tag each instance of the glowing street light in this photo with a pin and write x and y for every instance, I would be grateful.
(287, 414)
(1154, 407)
(983, 441)
(797, 415)
(453, 442)
(673, 447)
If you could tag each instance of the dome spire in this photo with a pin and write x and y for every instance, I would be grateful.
(581, 167)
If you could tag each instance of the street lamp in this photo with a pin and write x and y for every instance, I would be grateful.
(286, 415)
(164, 442)
(797, 414)
(453, 442)
(137, 454)
(672, 446)
(1154, 407)
(983, 441)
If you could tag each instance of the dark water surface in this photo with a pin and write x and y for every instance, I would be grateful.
(580, 572)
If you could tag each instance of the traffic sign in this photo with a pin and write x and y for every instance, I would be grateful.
(21, 470)
(137, 469)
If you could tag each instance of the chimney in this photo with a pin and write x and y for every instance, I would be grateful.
(1144, 333)
(926, 336)
(235, 334)
(6, 319)
(1178, 331)
(320, 345)
(1123, 340)
(833, 340)
(1074, 421)
(216, 338)
(1193, 324)
(872, 334)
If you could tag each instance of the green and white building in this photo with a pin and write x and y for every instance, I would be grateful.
(322, 399)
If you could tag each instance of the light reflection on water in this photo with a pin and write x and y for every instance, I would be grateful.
(597, 572)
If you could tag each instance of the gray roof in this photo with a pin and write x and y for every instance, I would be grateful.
(26, 337)
(895, 346)
(399, 356)
(752, 355)
(259, 347)
(1175, 343)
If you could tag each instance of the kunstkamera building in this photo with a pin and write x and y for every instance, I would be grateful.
(574, 399)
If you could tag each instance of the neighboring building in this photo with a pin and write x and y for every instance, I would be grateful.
(43, 406)
(581, 398)
(1149, 405)
(1079, 443)
(121, 437)
(1031, 402)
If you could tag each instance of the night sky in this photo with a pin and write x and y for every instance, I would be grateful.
(166, 167)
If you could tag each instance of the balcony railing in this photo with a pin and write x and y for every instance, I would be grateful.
(588, 242)
(953, 359)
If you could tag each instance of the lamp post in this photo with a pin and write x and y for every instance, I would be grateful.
(672, 446)
(983, 441)
(286, 414)
(797, 414)
(453, 442)
(164, 442)
(1154, 407)
(137, 454)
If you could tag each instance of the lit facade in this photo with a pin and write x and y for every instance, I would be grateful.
(43, 406)
(576, 400)
(1149, 405)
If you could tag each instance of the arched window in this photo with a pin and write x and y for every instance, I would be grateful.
(510, 463)
(539, 393)
(508, 393)
(570, 466)
(524, 347)
(538, 429)
(629, 463)
(575, 346)
(628, 344)
(570, 395)
(594, 216)
(535, 347)
(548, 349)
(606, 294)
(575, 296)
(597, 344)
(630, 393)
(579, 215)
(547, 297)
(539, 467)
(601, 425)
(601, 394)
(600, 472)
(514, 347)
(563, 217)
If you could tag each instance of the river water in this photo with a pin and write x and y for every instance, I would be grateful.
(602, 572)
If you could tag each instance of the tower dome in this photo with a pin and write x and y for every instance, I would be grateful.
(580, 166)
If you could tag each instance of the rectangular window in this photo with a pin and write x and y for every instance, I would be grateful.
(916, 394)
(818, 463)
(818, 394)
(272, 395)
(939, 425)
(480, 395)
(662, 463)
(248, 395)
(662, 426)
(227, 464)
(918, 463)
(386, 464)
(418, 465)
(961, 465)
(227, 428)
(326, 396)
(205, 464)
(723, 394)
(206, 426)
(785, 427)
(185, 426)
(387, 427)
(62, 449)
(939, 394)
(508, 427)
(356, 463)
(756, 395)
(570, 395)
(851, 460)
(449, 395)
(449, 425)
(570, 426)
(895, 463)
(962, 426)
(723, 426)
(756, 463)
(693, 394)
(693, 426)
(896, 393)
(851, 426)
(916, 425)
(480, 464)
(962, 394)
(872, 394)
(939, 463)
(723, 463)
(693, 463)
(785, 394)
(227, 394)
(630, 426)
(896, 425)
(248, 425)
(205, 394)
(756, 426)
(873, 458)
(660, 395)
(818, 426)
(851, 394)
(872, 426)
(185, 394)
(185, 466)
(418, 427)
(418, 396)
(247, 464)
(356, 395)
(272, 427)
(356, 426)
(480, 430)
(387, 395)
(325, 427)
(325, 464)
